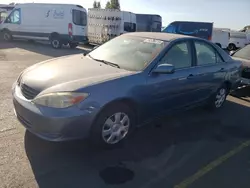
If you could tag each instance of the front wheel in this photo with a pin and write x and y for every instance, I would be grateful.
(7, 36)
(113, 126)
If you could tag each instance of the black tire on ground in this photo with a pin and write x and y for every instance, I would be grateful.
(55, 42)
(96, 135)
(7, 36)
(73, 45)
(217, 100)
(231, 47)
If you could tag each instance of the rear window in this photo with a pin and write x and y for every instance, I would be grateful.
(79, 17)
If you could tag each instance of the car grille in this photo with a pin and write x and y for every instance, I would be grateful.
(28, 92)
(245, 73)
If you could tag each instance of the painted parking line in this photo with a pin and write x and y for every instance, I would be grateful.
(212, 165)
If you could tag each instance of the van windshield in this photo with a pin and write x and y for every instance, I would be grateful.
(79, 17)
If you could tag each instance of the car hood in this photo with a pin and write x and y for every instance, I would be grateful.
(245, 62)
(70, 73)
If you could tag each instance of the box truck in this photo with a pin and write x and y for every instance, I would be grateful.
(105, 24)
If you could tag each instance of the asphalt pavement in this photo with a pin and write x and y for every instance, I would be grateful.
(196, 149)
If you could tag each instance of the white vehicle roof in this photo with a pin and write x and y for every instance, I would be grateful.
(49, 5)
(221, 29)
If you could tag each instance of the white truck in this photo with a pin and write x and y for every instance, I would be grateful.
(61, 24)
(237, 40)
(105, 24)
(221, 37)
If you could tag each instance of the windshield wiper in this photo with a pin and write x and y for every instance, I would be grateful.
(105, 62)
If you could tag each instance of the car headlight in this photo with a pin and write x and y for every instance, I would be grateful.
(60, 99)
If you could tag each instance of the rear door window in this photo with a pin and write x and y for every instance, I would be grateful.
(206, 54)
(79, 17)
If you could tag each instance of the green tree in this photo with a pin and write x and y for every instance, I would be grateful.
(108, 5)
(95, 4)
(113, 4)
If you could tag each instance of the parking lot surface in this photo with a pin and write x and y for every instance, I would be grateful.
(196, 149)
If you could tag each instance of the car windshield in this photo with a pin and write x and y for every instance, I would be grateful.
(243, 53)
(130, 53)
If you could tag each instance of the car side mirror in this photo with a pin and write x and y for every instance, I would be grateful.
(164, 69)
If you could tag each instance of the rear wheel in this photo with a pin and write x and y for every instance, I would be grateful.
(56, 42)
(231, 47)
(218, 99)
(113, 126)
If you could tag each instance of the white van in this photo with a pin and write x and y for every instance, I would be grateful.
(104, 24)
(61, 24)
(221, 37)
(237, 40)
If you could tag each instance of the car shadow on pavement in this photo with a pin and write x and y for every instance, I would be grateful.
(78, 164)
(41, 48)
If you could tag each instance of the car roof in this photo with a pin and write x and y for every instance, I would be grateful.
(158, 35)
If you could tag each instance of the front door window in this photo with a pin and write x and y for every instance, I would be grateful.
(14, 17)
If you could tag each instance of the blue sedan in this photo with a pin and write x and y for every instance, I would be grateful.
(131, 79)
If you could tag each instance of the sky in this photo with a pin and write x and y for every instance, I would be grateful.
(234, 14)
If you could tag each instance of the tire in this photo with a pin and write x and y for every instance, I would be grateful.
(218, 99)
(73, 45)
(231, 47)
(7, 36)
(56, 43)
(105, 132)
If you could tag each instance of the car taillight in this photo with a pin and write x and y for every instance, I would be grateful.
(70, 29)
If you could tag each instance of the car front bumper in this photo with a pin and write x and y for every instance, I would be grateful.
(53, 124)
